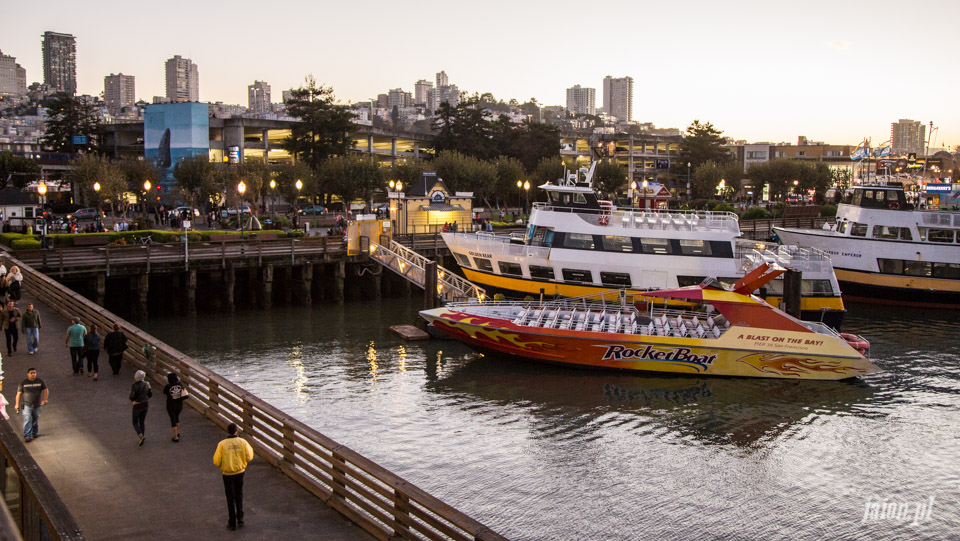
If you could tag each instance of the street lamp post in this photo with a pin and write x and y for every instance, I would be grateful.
(42, 191)
(241, 188)
(644, 186)
(519, 186)
(146, 192)
(296, 204)
(721, 188)
(273, 202)
(526, 188)
(689, 193)
(96, 188)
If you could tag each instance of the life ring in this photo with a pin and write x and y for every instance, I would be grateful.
(894, 205)
(858, 343)
(604, 219)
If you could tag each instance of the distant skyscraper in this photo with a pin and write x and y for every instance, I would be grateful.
(582, 101)
(618, 97)
(258, 97)
(398, 98)
(442, 79)
(907, 136)
(119, 91)
(60, 62)
(13, 78)
(183, 79)
(420, 89)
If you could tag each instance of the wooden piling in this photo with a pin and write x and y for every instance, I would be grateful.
(792, 280)
(430, 285)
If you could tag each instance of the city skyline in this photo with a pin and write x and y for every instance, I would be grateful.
(827, 72)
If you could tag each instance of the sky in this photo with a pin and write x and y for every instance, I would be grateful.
(834, 71)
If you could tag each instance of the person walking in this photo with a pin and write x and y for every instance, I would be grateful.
(115, 343)
(140, 395)
(91, 348)
(74, 341)
(15, 284)
(11, 323)
(32, 394)
(176, 393)
(31, 327)
(232, 456)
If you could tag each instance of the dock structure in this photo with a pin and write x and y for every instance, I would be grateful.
(301, 483)
(416, 268)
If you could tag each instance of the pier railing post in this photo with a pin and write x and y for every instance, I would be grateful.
(430, 285)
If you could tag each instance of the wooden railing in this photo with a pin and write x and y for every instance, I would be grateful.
(37, 510)
(68, 260)
(383, 504)
(763, 229)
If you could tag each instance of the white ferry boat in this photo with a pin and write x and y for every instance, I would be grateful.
(886, 251)
(577, 245)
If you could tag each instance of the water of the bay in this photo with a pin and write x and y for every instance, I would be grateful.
(541, 452)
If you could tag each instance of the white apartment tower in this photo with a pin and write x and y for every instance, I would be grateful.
(258, 97)
(907, 136)
(119, 91)
(13, 77)
(60, 62)
(582, 101)
(442, 79)
(183, 80)
(618, 97)
(420, 89)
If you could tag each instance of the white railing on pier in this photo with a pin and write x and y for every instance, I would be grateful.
(411, 265)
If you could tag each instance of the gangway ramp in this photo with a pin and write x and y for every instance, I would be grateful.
(410, 265)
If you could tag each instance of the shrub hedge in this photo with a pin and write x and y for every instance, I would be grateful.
(25, 244)
(754, 213)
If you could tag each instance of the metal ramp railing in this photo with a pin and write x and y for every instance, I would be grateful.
(410, 265)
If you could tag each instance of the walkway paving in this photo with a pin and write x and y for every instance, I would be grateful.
(163, 490)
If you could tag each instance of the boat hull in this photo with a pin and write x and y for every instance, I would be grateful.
(742, 352)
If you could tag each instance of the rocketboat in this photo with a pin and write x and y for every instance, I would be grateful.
(729, 333)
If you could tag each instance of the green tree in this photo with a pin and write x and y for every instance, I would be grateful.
(406, 172)
(703, 143)
(287, 176)
(532, 141)
(509, 171)
(351, 178)
(549, 170)
(706, 178)
(71, 117)
(609, 178)
(17, 171)
(323, 128)
(464, 129)
(256, 175)
(194, 176)
(91, 169)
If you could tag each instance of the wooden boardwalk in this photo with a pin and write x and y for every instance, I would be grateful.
(163, 490)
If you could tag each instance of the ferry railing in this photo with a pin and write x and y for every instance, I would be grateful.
(32, 504)
(503, 245)
(382, 503)
(654, 219)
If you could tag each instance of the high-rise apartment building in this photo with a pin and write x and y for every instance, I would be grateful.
(420, 89)
(618, 97)
(442, 79)
(448, 94)
(582, 101)
(13, 77)
(119, 91)
(60, 62)
(907, 136)
(258, 97)
(183, 80)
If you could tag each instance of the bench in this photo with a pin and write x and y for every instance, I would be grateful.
(98, 240)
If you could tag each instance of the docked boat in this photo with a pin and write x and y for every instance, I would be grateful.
(886, 251)
(727, 333)
(577, 245)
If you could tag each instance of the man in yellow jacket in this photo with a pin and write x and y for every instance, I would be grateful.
(232, 457)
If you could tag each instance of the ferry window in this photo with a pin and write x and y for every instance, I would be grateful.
(462, 260)
(940, 235)
(890, 266)
(512, 269)
(684, 281)
(656, 246)
(581, 199)
(694, 247)
(544, 273)
(577, 275)
(613, 243)
(842, 228)
(483, 264)
(946, 270)
(905, 233)
(615, 279)
(721, 248)
(917, 268)
(775, 287)
(885, 232)
(858, 230)
(578, 241)
(816, 287)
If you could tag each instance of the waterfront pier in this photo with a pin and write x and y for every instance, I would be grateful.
(301, 484)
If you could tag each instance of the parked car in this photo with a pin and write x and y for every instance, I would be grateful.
(84, 214)
(230, 211)
(187, 212)
(315, 209)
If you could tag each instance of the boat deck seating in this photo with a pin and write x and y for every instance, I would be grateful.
(609, 320)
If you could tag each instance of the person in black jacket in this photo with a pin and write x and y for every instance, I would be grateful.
(140, 395)
(176, 392)
(115, 343)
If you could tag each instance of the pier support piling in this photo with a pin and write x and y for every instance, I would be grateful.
(791, 292)
(304, 286)
(190, 304)
(139, 289)
(430, 285)
(340, 275)
(100, 288)
(229, 282)
(265, 287)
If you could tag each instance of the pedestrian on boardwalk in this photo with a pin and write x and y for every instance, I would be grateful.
(140, 395)
(115, 343)
(14, 284)
(31, 395)
(31, 327)
(176, 393)
(231, 457)
(74, 341)
(91, 348)
(11, 326)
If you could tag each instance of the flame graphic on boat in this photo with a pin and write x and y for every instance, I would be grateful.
(474, 327)
(789, 365)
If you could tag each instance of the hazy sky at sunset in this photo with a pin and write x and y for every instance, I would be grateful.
(835, 71)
